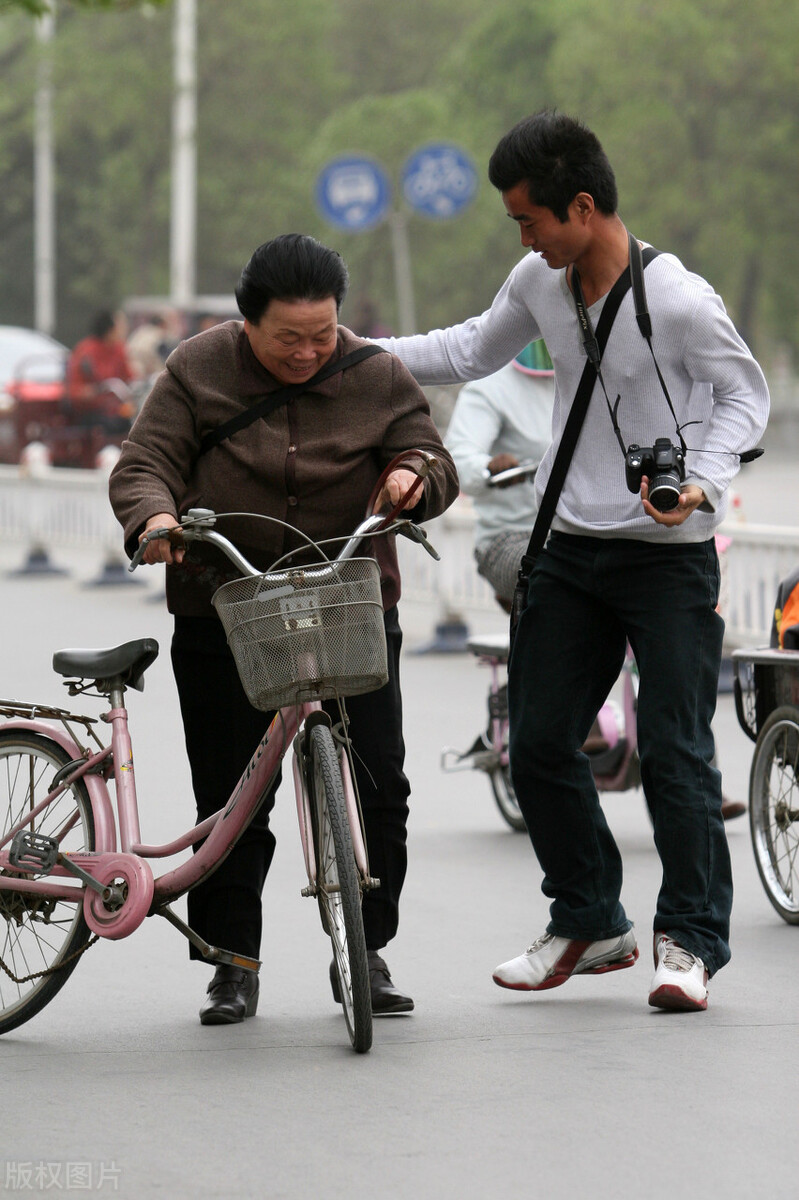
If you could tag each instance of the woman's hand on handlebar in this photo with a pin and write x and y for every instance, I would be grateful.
(162, 549)
(399, 489)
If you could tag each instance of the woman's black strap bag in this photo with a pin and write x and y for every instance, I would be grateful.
(575, 419)
(274, 400)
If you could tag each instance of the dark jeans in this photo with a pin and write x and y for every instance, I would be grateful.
(222, 730)
(587, 596)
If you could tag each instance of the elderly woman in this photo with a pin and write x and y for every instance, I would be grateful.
(311, 460)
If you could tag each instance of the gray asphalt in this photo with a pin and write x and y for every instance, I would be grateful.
(582, 1091)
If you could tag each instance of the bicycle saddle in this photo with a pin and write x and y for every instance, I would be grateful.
(128, 662)
(490, 646)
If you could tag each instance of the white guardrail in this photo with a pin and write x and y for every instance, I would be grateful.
(43, 509)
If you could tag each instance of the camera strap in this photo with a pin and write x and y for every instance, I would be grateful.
(635, 273)
(645, 325)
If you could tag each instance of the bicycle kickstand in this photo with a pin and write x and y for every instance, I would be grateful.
(213, 954)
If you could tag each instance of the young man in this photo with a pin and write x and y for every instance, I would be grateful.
(312, 462)
(614, 568)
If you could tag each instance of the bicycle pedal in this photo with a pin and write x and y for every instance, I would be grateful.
(33, 852)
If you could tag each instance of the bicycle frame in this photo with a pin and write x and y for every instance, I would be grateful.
(119, 850)
(120, 838)
(613, 769)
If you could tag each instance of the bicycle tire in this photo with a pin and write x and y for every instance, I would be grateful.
(505, 796)
(339, 891)
(39, 933)
(774, 810)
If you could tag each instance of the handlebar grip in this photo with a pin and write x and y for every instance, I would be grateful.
(418, 461)
(175, 534)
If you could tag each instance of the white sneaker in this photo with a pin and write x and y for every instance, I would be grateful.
(680, 981)
(551, 960)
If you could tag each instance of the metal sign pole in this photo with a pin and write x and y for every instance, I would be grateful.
(403, 274)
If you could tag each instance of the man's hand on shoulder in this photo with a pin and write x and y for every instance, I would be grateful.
(691, 497)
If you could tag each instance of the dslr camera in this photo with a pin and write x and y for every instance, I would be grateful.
(664, 466)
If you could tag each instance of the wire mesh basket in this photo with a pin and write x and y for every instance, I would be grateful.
(306, 633)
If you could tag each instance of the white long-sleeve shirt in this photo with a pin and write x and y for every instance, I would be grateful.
(509, 412)
(710, 373)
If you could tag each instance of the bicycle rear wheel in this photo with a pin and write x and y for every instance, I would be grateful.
(774, 810)
(505, 796)
(39, 934)
(339, 891)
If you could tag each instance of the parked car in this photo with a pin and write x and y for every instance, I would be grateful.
(35, 404)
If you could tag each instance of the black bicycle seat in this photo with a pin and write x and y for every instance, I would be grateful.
(127, 662)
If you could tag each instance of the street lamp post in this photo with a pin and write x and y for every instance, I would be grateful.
(184, 156)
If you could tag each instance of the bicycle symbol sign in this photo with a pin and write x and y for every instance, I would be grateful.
(439, 180)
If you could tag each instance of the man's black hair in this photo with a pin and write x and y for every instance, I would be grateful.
(556, 157)
(292, 266)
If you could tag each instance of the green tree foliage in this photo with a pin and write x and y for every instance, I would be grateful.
(695, 104)
(702, 123)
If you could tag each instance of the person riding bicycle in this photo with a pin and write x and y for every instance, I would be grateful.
(498, 423)
(312, 462)
(616, 567)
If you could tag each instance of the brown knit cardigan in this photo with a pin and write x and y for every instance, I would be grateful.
(312, 462)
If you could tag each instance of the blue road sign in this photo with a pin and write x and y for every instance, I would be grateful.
(353, 193)
(439, 180)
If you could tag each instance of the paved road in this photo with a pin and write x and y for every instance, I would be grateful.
(582, 1091)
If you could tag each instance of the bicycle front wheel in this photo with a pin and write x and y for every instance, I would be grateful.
(505, 796)
(41, 937)
(774, 810)
(339, 891)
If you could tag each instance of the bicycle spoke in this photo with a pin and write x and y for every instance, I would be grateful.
(40, 936)
(339, 888)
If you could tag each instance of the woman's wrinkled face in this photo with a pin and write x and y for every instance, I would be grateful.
(294, 338)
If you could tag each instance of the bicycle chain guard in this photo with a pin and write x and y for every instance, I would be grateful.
(131, 879)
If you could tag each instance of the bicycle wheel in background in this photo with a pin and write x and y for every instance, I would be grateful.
(774, 810)
(339, 891)
(39, 933)
(505, 796)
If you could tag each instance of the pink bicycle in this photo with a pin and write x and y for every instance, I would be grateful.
(612, 747)
(72, 869)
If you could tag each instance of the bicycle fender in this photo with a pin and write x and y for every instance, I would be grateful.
(104, 828)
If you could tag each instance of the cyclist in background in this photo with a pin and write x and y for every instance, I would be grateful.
(498, 423)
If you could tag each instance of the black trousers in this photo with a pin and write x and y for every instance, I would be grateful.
(222, 730)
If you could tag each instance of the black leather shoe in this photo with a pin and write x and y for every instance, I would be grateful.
(386, 999)
(232, 996)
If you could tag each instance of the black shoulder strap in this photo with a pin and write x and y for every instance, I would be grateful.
(574, 421)
(274, 400)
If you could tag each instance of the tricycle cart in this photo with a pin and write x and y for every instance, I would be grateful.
(767, 705)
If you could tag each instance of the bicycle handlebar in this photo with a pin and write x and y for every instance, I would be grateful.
(197, 525)
(525, 470)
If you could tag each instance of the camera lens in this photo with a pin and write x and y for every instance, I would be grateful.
(664, 491)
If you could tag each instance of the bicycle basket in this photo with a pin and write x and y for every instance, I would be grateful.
(306, 633)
